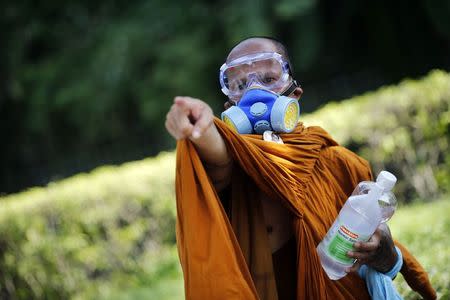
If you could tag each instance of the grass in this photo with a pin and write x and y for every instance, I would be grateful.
(424, 229)
(166, 288)
(169, 286)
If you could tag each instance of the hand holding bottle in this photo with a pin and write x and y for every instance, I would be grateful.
(355, 236)
(378, 252)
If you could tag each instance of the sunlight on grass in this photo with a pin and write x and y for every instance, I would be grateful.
(424, 229)
(167, 288)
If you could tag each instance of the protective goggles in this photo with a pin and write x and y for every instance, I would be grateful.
(267, 70)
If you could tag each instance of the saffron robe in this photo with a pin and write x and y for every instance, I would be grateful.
(230, 258)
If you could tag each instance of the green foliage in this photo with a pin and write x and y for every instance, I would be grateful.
(404, 129)
(424, 229)
(88, 83)
(90, 234)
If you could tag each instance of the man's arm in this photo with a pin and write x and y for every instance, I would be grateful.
(193, 119)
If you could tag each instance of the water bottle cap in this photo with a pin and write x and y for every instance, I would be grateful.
(387, 180)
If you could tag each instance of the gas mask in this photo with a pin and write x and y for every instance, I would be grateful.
(260, 110)
(252, 79)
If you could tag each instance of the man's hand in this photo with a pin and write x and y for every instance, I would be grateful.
(188, 118)
(378, 252)
(192, 118)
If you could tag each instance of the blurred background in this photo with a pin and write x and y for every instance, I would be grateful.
(87, 208)
(89, 83)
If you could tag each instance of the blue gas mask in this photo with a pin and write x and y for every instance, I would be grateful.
(260, 110)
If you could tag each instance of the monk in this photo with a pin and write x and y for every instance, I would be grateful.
(251, 210)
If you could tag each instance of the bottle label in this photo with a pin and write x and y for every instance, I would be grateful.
(342, 242)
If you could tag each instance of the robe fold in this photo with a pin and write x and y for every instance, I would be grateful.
(227, 255)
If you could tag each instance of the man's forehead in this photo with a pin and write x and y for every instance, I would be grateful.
(250, 47)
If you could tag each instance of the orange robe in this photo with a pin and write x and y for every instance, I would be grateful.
(230, 258)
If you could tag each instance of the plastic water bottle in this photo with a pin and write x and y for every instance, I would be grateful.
(387, 201)
(357, 221)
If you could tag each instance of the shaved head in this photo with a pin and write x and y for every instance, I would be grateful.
(257, 44)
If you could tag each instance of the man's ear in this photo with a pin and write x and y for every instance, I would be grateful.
(228, 104)
(297, 93)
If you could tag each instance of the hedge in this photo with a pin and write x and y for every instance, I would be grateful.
(91, 233)
(403, 128)
(113, 229)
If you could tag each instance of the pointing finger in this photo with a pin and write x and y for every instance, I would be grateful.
(203, 122)
(182, 103)
(179, 122)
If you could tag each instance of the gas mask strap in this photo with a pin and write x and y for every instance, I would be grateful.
(290, 89)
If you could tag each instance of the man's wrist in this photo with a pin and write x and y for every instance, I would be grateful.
(397, 266)
(388, 263)
(386, 256)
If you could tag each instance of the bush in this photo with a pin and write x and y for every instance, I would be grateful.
(404, 129)
(90, 233)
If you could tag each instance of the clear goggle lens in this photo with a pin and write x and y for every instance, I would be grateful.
(267, 70)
